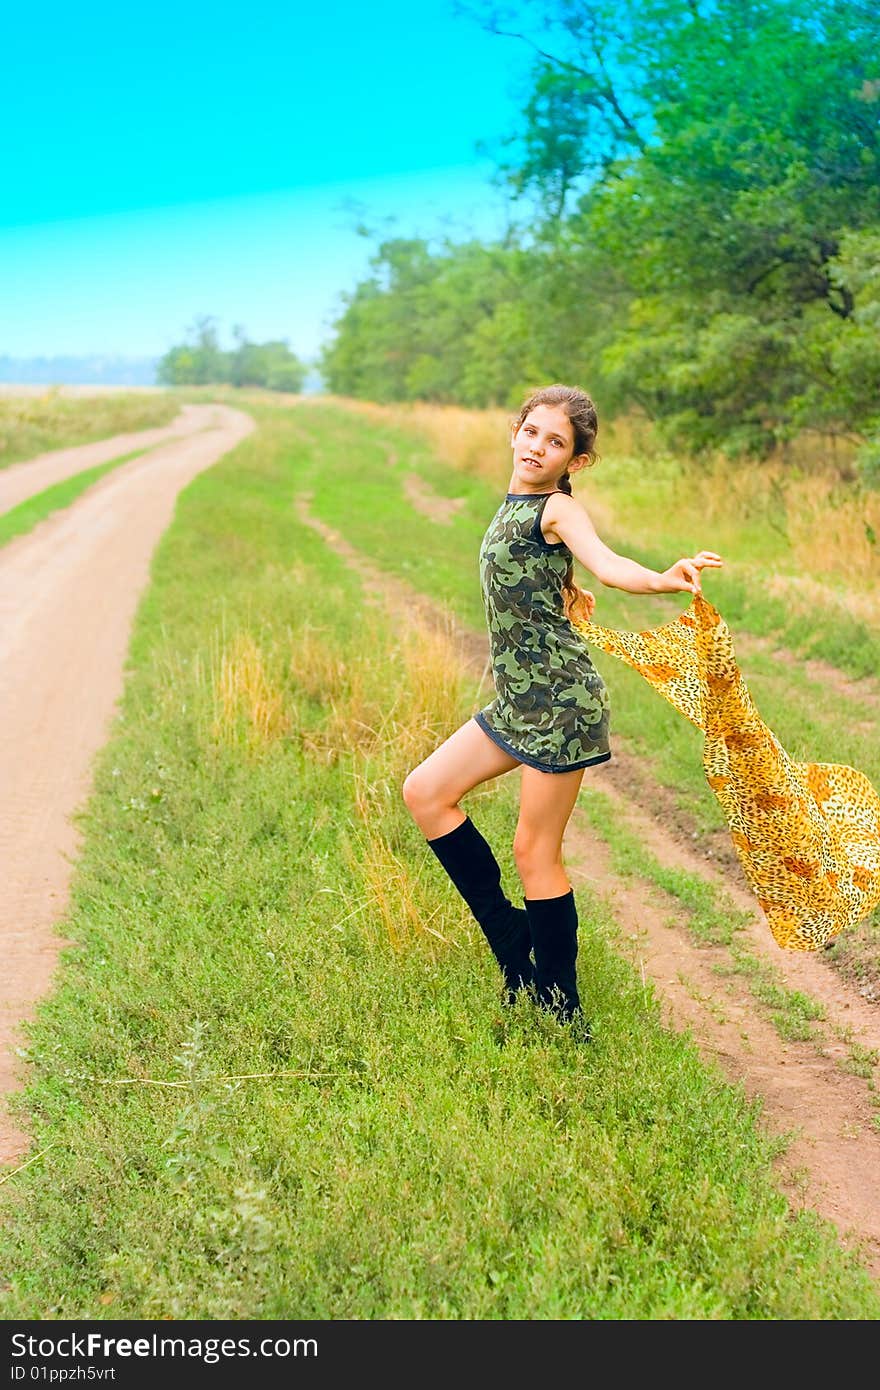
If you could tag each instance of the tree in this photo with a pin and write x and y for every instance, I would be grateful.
(729, 147)
(202, 362)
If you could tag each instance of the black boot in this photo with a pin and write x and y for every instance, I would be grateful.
(553, 923)
(468, 860)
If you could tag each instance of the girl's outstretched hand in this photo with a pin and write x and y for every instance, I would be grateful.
(685, 574)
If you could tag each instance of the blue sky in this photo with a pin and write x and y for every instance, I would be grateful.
(182, 159)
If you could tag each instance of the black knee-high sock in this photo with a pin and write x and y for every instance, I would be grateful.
(553, 923)
(468, 860)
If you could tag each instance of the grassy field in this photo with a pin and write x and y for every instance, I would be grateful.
(33, 423)
(274, 1080)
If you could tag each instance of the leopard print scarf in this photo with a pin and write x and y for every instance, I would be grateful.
(806, 834)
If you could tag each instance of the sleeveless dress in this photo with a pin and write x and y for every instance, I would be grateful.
(551, 706)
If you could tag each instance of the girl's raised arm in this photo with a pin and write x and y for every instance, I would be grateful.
(569, 521)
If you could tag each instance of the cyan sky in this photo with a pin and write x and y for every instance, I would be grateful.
(185, 159)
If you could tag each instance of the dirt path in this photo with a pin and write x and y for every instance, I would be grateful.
(22, 480)
(68, 593)
(809, 1091)
(424, 500)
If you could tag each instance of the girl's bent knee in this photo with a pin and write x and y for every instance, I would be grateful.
(411, 791)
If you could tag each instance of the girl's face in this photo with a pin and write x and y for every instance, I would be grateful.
(542, 449)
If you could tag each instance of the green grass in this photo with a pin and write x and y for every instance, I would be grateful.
(711, 917)
(827, 633)
(33, 424)
(356, 1130)
(24, 517)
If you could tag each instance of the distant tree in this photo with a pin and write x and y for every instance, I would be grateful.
(271, 365)
(471, 323)
(452, 324)
(198, 362)
(177, 367)
(202, 362)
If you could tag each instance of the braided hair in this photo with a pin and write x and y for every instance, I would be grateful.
(585, 424)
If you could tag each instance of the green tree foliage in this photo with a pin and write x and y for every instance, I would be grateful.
(728, 225)
(198, 362)
(202, 362)
(469, 323)
(701, 186)
(431, 325)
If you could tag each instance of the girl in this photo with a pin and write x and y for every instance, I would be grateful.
(550, 712)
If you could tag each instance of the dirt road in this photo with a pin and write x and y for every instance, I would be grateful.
(22, 480)
(68, 593)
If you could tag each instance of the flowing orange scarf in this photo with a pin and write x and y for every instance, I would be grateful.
(807, 834)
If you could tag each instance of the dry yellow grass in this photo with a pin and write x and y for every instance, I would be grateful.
(394, 899)
(474, 441)
(34, 420)
(830, 528)
(246, 700)
(386, 716)
(395, 709)
(831, 524)
(836, 531)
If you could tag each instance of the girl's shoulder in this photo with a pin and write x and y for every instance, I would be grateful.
(558, 505)
(565, 498)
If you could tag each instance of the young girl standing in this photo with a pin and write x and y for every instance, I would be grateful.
(550, 713)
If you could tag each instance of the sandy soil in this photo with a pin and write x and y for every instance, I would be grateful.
(22, 480)
(808, 1091)
(68, 593)
(434, 507)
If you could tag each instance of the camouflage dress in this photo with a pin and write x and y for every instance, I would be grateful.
(551, 707)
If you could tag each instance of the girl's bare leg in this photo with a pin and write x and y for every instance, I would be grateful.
(433, 790)
(546, 802)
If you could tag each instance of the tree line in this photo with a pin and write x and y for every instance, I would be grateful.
(201, 361)
(695, 230)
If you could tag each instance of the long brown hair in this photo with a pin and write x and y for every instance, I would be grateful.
(585, 424)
